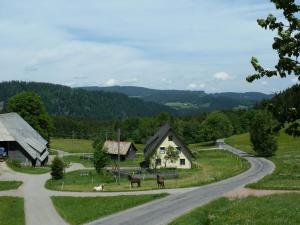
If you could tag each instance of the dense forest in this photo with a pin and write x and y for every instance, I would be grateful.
(98, 105)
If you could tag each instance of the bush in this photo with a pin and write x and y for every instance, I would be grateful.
(57, 169)
(262, 136)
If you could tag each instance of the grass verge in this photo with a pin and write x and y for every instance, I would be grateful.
(27, 169)
(209, 167)
(9, 185)
(12, 211)
(275, 209)
(79, 210)
(287, 160)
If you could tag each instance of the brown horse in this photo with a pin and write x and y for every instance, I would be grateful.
(135, 180)
(160, 181)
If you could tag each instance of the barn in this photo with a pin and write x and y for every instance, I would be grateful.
(127, 150)
(21, 142)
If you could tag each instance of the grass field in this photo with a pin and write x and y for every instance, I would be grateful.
(209, 166)
(203, 145)
(72, 145)
(12, 211)
(28, 169)
(9, 185)
(275, 209)
(79, 210)
(287, 161)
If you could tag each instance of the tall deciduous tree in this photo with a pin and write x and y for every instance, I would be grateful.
(287, 45)
(262, 134)
(31, 108)
(101, 158)
(216, 125)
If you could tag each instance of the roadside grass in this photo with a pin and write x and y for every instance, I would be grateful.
(287, 160)
(72, 145)
(203, 145)
(9, 185)
(12, 211)
(79, 210)
(275, 209)
(27, 169)
(209, 167)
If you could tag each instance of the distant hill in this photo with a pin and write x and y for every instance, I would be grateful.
(62, 100)
(188, 101)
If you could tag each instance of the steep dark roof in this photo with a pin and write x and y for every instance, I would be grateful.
(158, 138)
(14, 128)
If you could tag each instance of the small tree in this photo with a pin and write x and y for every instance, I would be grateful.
(172, 155)
(57, 169)
(262, 135)
(101, 158)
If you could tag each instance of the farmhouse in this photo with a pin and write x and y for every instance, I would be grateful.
(127, 150)
(157, 147)
(21, 142)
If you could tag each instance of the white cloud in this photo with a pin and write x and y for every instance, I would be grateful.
(222, 76)
(196, 86)
(110, 82)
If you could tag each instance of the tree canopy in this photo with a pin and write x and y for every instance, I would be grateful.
(262, 134)
(31, 108)
(286, 43)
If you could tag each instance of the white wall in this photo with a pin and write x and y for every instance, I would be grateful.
(183, 155)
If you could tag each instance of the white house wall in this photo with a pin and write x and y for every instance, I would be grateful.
(183, 155)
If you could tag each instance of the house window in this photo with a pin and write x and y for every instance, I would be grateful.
(170, 138)
(182, 162)
(162, 150)
(158, 162)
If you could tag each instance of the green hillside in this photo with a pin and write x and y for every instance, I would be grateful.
(62, 100)
(287, 161)
(188, 101)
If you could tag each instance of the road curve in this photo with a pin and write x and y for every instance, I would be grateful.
(163, 211)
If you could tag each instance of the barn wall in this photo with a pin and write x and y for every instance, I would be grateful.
(131, 153)
(16, 152)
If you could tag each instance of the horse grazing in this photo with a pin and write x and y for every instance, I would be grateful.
(99, 188)
(160, 181)
(133, 180)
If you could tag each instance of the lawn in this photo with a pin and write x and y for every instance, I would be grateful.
(209, 166)
(79, 210)
(89, 163)
(287, 161)
(72, 145)
(27, 169)
(12, 211)
(275, 209)
(8, 185)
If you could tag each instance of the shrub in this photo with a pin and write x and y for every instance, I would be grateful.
(57, 168)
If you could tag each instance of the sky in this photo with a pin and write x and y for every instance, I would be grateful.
(161, 44)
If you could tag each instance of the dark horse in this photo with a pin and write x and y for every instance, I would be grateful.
(133, 180)
(160, 181)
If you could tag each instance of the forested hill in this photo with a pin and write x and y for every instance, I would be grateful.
(188, 101)
(63, 100)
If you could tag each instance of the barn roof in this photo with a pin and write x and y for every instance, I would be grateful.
(112, 147)
(158, 138)
(14, 128)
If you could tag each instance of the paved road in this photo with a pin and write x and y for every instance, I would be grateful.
(39, 209)
(163, 211)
